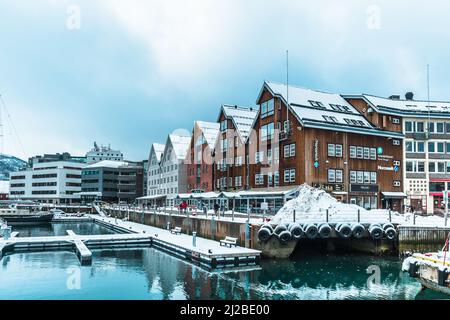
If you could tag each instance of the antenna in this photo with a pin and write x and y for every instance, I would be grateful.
(428, 91)
(287, 91)
(1, 132)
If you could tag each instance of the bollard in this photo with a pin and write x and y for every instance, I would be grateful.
(327, 217)
(359, 216)
(414, 217)
(294, 215)
(232, 215)
(168, 225)
(194, 239)
(390, 215)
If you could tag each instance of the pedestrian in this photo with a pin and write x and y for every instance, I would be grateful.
(216, 209)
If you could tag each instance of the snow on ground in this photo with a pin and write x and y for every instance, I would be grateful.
(312, 204)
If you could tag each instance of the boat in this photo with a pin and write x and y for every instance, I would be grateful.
(15, 216)
(432, 270)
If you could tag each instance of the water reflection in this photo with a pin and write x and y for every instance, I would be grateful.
(147, 273)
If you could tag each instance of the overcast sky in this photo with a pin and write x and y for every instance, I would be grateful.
(130, 72)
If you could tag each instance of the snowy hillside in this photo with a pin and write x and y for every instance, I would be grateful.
(312, 204)
(10, 164)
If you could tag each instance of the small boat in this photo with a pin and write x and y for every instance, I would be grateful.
(432, 270)
(25, 217)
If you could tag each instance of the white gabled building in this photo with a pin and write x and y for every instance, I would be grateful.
(48, 182)
(154, 169)
(173, 169)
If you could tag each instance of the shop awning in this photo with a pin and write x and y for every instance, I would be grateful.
(393, 195)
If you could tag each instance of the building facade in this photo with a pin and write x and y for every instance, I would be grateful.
(101, 153)
(199, 160)
(321, 139)
(48, 182)
(112, 181)
(231, 165)
(65, 156)
(154, 170)
(173, 169)
(426, 151)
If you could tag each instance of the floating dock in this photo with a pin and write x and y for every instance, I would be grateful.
(204, 252)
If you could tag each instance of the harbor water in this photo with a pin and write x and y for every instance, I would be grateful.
(147, 273)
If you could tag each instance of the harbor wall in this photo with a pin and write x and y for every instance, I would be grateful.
(421, 239)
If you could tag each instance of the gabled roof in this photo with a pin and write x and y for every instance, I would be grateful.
(323, 110)
(404, 107)
(210, 131)
(179, 143)
(242, 117)
(158, 149)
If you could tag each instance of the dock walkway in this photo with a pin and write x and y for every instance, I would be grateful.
(207, 253)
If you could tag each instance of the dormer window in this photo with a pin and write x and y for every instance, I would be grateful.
(267, 108)
(317, 104)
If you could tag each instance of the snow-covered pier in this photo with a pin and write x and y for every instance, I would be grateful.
(207, 253)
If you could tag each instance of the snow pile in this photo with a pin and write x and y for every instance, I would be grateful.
(312, 205)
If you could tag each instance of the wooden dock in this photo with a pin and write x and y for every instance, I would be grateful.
(204, 252)
(422, 238)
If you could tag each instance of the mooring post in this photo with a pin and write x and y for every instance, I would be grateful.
(414, 218)
(194, 239)
(294, 215)
(327, 216)
(168, 225)
(359, 216)
(390, 215)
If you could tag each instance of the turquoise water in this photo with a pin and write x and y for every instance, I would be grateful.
(147, 273)
(60, 229)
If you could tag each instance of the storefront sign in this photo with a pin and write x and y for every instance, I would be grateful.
(329, 187)
(385, 158)
(316, 153)
(381, 168)
(363, 188)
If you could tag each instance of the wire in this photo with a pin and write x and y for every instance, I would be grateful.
(12, 125)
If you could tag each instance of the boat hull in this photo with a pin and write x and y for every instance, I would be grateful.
(28, 219)
(433, 286)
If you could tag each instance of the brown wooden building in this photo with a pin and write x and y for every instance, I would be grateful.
(231, 165)
(327, 142)
(199, 159)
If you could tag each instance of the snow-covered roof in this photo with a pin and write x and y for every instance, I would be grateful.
(158, 148)
(242, 117)
(323, 110)
(210, 131)
(180, 145)
(4, 187)
(407, 107)
(107, 164)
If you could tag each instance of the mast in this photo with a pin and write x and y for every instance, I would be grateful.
(287, 91)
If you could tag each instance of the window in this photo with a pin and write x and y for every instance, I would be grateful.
(396, 142)
(259, 157)
(339, 150)
(330, 119)
(439, 127)
(289, 150)
(224, 144)
(440, 147)
(397, 183)
(395, 120)
(276, 176)
(414, 166)
(373, 154)
(360, 177)
(267, 131)
(331, 175)
(331, 150)
(339, 176)
(359, 152)
(431, 147)
(269, 178)
(317, 104)
(223, 125)
(366, 177)
(289, 176)
(352, 176)
(352, 152)
(373, 178)
(267, 108)
(366, 153)
(408, 126)
(419, 127)
(335, 150)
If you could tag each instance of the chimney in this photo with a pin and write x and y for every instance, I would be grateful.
(394, 97)
(409, 96)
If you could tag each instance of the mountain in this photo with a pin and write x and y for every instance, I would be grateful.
(10, 164)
